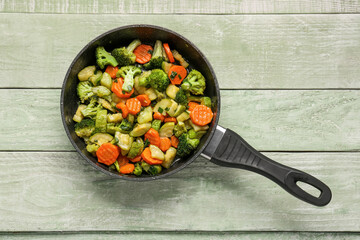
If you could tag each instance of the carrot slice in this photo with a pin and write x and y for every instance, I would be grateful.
(123, 108)
(112, 71)
(133, 105)
(116, 88)
(153, 136)
(107, 153)
(127, 168)
(165, 144)
(146, 155)
(170, 119)
(201, 115)
(143, 53)
(177, 74)
(136, 159)
(192, 105)
(159, 116)
(144, 100)
(174, 141)
(168, 52)
(122, 160)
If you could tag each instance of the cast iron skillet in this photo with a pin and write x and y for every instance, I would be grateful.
(221, 146)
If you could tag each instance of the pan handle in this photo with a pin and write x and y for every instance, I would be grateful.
(228, 149)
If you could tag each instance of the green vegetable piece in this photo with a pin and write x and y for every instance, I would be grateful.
(95, 79)
(179, 129)
(137, 170)
(78, 117)
(145, 166)
(91, 109)
(186, 145)
(158, 80)
(125, 141)
(128, 73)
(156, 124)
(140, 129)
(125, 56)
(117, 167)
(106, 80)
(131, 118)
(101, 91)
(169, 157)
(92, 148)
(181, 97)
(101, 138)
(135, 149)
(85, 128)
(193, 134)
(157, 57)
(144, 81)
(194, 82)
(104, 58)
(180, 109)
(84, 91)
(86, 73)
(100, 121)
(154, 169)
(125, 126)
(145, 115)
(167, 129)
(201, 99)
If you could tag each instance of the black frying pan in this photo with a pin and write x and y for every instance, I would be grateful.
(221, 146)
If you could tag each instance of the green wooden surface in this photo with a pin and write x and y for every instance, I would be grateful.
(59, 191)
(270, 120)
(189, 236)
(251, 51)
(257, 48)
(180, 6)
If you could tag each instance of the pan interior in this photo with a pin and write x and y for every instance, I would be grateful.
(122, 37)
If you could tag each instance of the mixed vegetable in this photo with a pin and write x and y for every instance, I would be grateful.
(141, 108)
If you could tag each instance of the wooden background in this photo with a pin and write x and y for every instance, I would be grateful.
(289, 77)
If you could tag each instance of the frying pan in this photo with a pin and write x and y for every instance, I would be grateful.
(220, 145)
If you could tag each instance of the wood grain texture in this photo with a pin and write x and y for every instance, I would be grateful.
(287, 120)
(248, 51)
(187, 235)
(61, 192)
(180, 6)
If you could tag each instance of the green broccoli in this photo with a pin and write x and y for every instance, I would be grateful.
(128, 73)
(186, 145)
(144, 81)
(92, 148)
(201, 99)
(125, 126)
(92, 108)
(84, 90)
(125, 56)
(157, 57)
(104, 58)
(194, 82)
(179, 129)
(154, 169)
(158, 80)
(156, 124)
(137, 170)
(181, 97)
(85, 128)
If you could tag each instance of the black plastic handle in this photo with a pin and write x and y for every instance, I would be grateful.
(234, 151)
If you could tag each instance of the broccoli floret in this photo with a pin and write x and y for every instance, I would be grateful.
(104, 58)
(194, 82)
(85, 128)
(92, 148)
(128, 73)
(181, 97)
(158, 80)
(137, 170)
(157, 57)
(84, 90)
(154, 169)
(144, 81)
(125, 126)
(179, 129)
(92, 108)
(186, 145)
(125, 56)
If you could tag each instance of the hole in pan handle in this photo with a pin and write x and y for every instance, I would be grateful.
(228, 149)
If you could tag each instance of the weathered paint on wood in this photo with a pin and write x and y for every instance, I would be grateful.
(246, 51)
(287, 120)
(179, 6)
(42, 191)
(187, 236)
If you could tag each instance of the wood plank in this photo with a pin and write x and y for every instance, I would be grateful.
(287, 120)
(180, 7)
(187, 235)
(58, 191)
(246, 51)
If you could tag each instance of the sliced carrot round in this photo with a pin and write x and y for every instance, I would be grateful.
(127, 168)
(159, 116)
(144, 100)
(165, 144)
(201, 115)
(136, 159)
(177, 74)
(116, 88)
(174, 141)
(153, 136)
(192, 105)
(143, 53)
(123, 108)
(133, 105)
(112, 71)
(107, 153)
